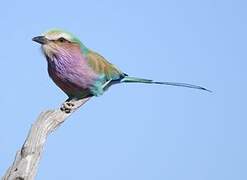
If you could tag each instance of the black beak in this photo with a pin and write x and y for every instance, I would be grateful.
(40, 39)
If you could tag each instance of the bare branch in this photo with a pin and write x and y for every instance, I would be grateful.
(27, 159)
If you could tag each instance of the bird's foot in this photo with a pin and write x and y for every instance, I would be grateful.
(67, 106)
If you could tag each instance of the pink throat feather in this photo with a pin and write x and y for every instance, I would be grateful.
(69, 69)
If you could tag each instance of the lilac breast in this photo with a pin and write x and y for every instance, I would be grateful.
(72, 74)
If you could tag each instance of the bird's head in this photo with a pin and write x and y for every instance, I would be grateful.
(57, 42)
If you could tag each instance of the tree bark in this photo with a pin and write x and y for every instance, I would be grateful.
(27, 159)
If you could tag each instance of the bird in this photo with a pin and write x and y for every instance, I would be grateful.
(81, 72)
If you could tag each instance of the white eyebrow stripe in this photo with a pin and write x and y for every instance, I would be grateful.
(57, 36)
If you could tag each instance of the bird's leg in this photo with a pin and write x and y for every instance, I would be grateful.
(68, 105)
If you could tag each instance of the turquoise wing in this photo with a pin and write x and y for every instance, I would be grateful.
(108, 73)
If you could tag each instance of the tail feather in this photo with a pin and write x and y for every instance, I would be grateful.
(128, 79)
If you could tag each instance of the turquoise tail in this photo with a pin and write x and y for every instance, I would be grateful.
(128, 79)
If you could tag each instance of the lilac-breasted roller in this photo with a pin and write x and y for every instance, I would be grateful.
(81, 72)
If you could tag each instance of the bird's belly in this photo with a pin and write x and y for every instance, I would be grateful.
(71, 88)
(73, 83)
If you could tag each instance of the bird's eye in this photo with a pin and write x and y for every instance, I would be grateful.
(62, 40)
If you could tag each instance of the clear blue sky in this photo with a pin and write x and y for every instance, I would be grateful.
(133, 132)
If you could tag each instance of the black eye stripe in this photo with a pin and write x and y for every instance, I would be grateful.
(61, 39)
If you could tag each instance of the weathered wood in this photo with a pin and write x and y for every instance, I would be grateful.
(27, 159)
